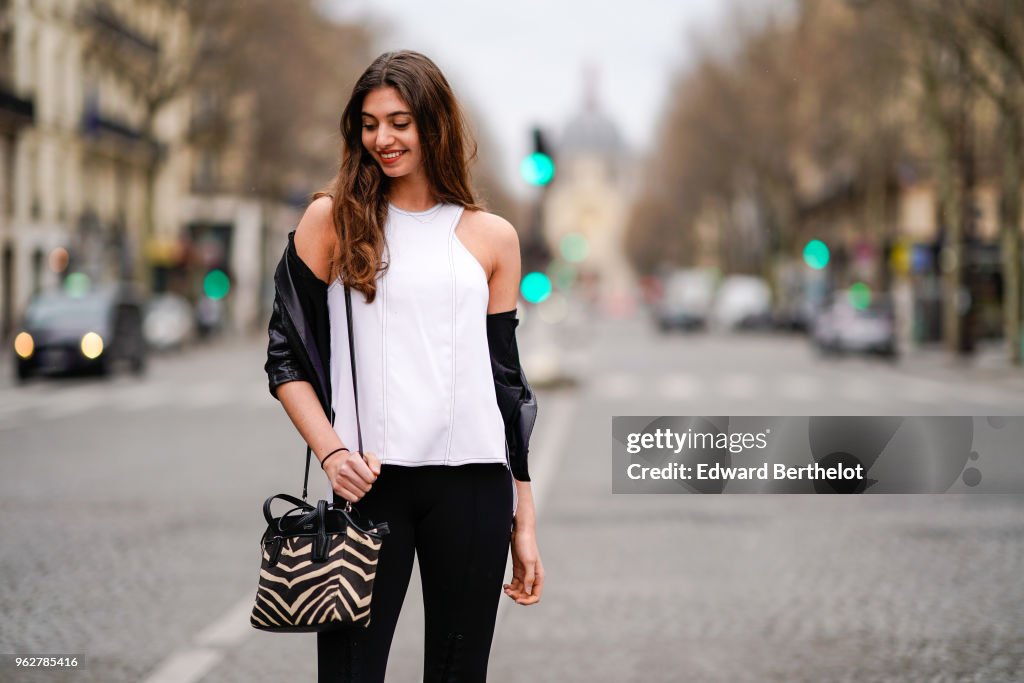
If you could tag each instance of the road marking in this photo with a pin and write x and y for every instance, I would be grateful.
(187, 666)
(617, 385)
(858, 389)
(800, 387)
(680, 387)
(230, 629)
(738, 386)
(191, 665)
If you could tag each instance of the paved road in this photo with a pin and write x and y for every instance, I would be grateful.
(110, 491)
(767, 588)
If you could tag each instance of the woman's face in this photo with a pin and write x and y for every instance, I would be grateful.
(389, 132)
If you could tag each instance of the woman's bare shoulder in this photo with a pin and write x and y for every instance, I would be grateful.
(497, 232)
(315, 236)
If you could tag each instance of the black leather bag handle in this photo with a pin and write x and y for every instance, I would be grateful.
(308, 514)
(301, 504)
(355, 394)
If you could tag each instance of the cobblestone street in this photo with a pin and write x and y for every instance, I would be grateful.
(131, 526)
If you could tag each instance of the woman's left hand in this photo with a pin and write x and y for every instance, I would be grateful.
(527, 570)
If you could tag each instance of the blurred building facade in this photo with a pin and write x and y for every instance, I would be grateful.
(586, 209)
(17, 111)
(130, 137)
(223, 221)
(896, 243)
(159, 142)
(88, 164)
(893, 133)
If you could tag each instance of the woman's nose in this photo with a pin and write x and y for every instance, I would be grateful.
(384, 137)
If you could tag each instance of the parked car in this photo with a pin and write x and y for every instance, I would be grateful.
(743, 302)
(94, 332)
(842, 328)
(796, 315)
(169, 322)
(685, 300)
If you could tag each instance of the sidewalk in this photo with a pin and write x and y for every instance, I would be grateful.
(989, 364)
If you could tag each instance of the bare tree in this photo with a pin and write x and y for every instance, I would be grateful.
(994, 57)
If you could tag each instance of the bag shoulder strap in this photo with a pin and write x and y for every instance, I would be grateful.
(355, 391)
(352, 360)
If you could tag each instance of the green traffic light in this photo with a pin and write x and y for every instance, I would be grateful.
(816, 254)
(859, 295)
(537, 169)
(535, 287)
(216, 284)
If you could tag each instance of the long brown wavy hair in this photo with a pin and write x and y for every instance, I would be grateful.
(360, 189)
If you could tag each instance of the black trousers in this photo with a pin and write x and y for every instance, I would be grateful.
(458, 521)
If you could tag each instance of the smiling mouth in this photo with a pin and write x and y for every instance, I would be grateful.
(391, 156)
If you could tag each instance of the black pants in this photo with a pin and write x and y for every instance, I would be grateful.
(458, 521)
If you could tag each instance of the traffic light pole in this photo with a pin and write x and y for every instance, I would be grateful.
(538, 169)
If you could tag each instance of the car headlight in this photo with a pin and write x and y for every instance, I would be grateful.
(92, 345)
(24, 345)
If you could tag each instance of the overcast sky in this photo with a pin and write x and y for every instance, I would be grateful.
(520, 63)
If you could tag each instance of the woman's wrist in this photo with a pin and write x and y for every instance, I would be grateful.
(323, 461)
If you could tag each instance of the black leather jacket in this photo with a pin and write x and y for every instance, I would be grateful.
(300, 345)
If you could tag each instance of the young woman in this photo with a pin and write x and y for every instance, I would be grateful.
(445, 411)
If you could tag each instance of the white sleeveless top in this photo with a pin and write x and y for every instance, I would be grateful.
(426, 391)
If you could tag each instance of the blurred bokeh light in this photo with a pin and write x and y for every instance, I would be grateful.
(24, 345)
(535, 287)
(59, 260)
(92, 345)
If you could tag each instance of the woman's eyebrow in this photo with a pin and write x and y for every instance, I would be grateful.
(394, 113)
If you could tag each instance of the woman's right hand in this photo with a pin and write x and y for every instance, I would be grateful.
(351, 476)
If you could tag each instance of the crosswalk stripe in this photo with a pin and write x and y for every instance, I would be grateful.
(618, 385)
(738, 386)
(680, 387)
(792, 387)
(186, 666)
(857, 389)
(800, 387)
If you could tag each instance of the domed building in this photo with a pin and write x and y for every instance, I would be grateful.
(585, 211)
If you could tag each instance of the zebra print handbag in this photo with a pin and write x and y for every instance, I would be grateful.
(318, 563)
(317, 570)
